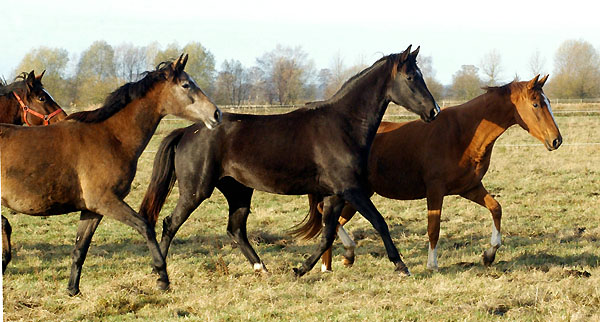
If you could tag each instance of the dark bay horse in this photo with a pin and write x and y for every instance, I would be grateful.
(320, 149)
(94, 171)
(27, 102)
(450, 156)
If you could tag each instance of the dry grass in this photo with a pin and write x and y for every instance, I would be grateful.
(547, 268)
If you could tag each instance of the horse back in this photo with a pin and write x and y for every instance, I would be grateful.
(294, 153)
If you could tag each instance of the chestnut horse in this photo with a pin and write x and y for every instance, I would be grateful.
(93, 158)
(320, 149)
(452, 161)
(25, 102)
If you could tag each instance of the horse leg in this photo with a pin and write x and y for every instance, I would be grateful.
(6, 249)
(88, 222)
(349, 244)
(113, 207)
(186, 204)
(239, 197)
(435, 199)
(331, 212)
(482, 197)
(347, 213)
(359, 200)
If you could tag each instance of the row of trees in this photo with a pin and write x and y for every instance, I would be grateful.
(284, 75)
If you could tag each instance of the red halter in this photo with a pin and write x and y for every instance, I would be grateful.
(26, 110)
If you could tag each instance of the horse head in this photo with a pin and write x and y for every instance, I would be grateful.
(185, 99)
(534, 114)
(407, 87)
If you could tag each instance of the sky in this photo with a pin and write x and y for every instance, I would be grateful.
(453, 33)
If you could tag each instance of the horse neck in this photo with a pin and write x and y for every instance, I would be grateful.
(10, 111)
(486, 118)
(363, 104)
(134, 125)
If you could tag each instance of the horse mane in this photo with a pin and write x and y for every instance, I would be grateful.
(506, 88)
(122, 96)
(352, 81)
(6, 88)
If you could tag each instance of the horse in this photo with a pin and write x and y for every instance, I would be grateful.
(321, 148)
(25, 102)
(452, 160)
(94, 171)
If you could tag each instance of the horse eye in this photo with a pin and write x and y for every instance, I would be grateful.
(186, 85)
(535, 104)
(42, 99)
(409, 78)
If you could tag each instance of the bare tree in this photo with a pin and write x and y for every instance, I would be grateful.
(130, 61)
(576, 71)
(232, 83)
(537, 63)
(466, 83)
(491, 66)
(287, 71)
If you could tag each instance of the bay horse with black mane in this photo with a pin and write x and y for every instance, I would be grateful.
(94, 170)
(25, 101)
(320, 149)
(450, 156)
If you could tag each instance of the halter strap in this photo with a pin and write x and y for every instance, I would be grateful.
(26, 110)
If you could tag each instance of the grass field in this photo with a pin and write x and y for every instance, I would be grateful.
(547, 268)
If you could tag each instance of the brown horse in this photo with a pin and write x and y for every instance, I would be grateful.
(452, 161)
(320, 149)
(94, 171)
(27, 102)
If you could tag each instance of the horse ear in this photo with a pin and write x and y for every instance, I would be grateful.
(405, 54)
(542, 81)
(180, 64)
(39, 77)
(30, 79)
(531, 83)
(415, 53)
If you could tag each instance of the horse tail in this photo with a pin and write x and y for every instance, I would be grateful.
(311, 225)
(163, 177)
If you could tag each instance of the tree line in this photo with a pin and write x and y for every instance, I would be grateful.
(284, 75)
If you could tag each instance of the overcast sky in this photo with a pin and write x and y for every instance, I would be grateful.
(453, 33)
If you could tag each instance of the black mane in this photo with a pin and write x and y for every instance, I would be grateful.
(122, 96)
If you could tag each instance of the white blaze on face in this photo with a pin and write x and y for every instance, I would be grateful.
(547, 101)
(496, 237)
(432, 262)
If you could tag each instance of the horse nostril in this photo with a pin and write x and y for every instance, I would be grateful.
(557, 142)
(432, 114)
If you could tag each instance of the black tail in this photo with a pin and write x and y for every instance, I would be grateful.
(163, 177)
(312, 224)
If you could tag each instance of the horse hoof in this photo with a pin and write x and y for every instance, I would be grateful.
(402, 270)
(348, 262)
(162, 285)
(433, 268)
(73, 291)
(298, 272)
(488, 257)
